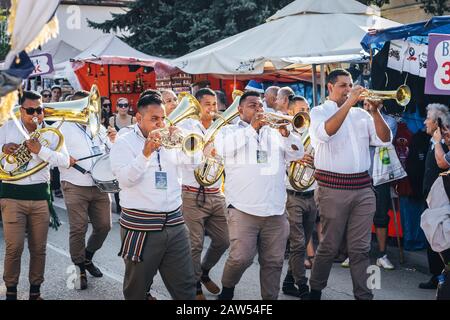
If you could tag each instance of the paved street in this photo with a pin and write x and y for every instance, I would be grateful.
(398, 284)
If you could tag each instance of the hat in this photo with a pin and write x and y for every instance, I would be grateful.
(254, 86)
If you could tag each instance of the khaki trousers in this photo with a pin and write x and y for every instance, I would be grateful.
(83, 202)
(166, 251)
(345, 215)
(302, 212)
(206, 216)
(24, 218)
(249, 235)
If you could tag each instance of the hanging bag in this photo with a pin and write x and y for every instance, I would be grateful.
(386, 166)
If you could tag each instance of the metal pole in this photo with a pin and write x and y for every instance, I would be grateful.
(322, 83)
(402, 259)
(314, 85)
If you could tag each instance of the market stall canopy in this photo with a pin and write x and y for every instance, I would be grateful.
(304, 32)
(376, 38)
(110, 50)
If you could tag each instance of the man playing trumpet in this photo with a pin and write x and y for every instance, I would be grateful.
(154, 237)
(255, 156)
(341, 136)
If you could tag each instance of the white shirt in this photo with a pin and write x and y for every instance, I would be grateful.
(193, 126)
(9, 133)
(124, 130)
(347, 151)
(80, 144)
(136, 174)
(256, 188)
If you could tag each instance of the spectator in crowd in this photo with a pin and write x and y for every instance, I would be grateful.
(56, 93)
(46, 96)
(270, 98)
(106, 111)
(222, 103)
(282, 101)
(170, 101)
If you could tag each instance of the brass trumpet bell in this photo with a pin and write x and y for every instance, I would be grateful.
(402, 95)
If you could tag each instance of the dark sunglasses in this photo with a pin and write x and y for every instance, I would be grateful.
(106, 104)
(31, 111)
(47, 95)
(122, 105)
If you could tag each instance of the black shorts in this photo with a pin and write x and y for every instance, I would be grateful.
(384, 203)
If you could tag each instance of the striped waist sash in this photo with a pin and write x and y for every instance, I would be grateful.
(352, 181)
(137, 223)
(205, 190)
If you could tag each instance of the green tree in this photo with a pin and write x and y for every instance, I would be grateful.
(172, 28)
(4, 39)
(435, 7)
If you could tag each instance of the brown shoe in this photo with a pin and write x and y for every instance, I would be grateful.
(35, 296)
(210, 285)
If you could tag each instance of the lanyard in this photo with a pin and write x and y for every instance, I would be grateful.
(159, 161)
(85, 132)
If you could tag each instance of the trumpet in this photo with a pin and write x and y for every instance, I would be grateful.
(300, 121)
(189, 144)
(402, 95)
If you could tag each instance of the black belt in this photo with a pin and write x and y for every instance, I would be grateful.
(306, 194)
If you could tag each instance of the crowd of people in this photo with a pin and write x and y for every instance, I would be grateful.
(165, 212)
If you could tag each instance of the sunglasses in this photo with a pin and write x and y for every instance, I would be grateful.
(122, 105)
(106, 104)
(31, 111)
(47, 95)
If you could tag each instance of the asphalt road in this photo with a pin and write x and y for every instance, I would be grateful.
(399, 284)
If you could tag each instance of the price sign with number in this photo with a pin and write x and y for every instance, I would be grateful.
(438, 71)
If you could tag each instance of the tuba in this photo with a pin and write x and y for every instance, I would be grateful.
(301, 175)
(402, 95)
(85, 111)
(188, 107)
(211, 168)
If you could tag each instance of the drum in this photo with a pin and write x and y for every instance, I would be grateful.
(103, 177)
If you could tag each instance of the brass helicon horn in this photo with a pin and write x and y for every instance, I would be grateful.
(85, 111)
(211, 168)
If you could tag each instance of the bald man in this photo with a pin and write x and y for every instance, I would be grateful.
(282, 101)
(270, 97)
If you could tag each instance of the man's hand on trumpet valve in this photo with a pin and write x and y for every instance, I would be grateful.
(374, 105)
(284, 131)
(33, 146)
(258, 121)
(355, 95)
(152, 144)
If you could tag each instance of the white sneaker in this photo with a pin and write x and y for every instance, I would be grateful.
(346, 263)
(385, 263)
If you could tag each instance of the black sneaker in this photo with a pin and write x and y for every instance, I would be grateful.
(303, 291)
(290, 289)
(431, 284)
(93, 270)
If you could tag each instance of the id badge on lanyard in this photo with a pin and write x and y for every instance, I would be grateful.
(261, 156)
(161, 180)
(160, 177)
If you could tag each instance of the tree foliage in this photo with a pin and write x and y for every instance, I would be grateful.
(435, 7)
(172, 28)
